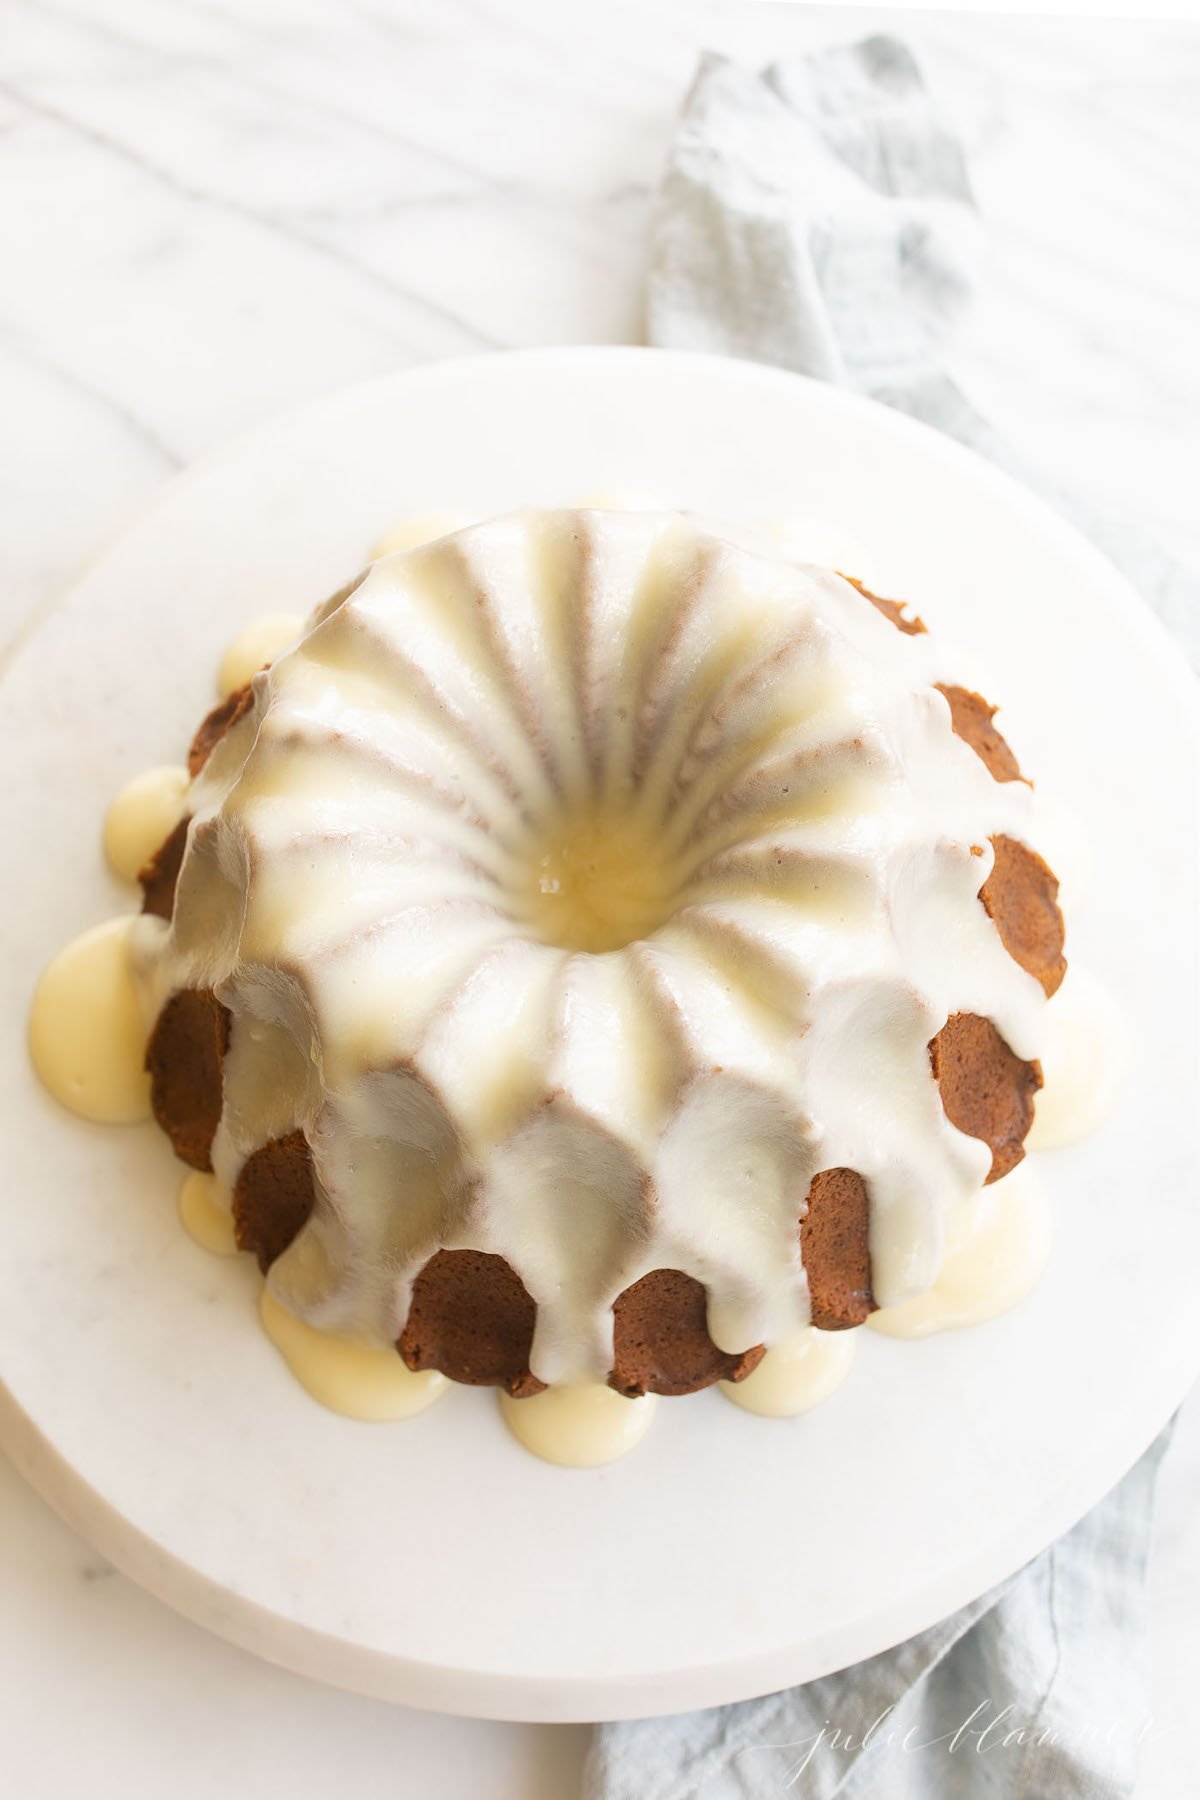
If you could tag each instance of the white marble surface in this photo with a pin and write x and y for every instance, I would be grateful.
(211, 211)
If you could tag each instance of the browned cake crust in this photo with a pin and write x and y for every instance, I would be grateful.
(971, 718)
(891, 609)
(214, 726)
(986, 1090)
(1021, 896)
(472, 1318)
(836, 1250)
(159, 875)
(661, 1343)
(184, 1056)
(273, 1197)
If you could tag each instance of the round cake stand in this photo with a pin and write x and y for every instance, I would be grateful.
(435, 1562)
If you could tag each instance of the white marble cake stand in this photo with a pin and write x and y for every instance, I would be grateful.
(435, 1562)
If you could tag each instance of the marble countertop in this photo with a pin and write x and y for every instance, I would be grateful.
(213, 210)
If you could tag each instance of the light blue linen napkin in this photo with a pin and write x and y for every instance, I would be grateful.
(818, 215)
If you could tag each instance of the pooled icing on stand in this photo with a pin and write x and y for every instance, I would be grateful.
(1063, 841)
(996, 1252)
(829, 546)
(580, 1425)
(1082, 1063)
(259, 644)
(87, 1031)
(357, 1379)
(795, 1374)
(206, 1212)
(146, 811)
(420, 528)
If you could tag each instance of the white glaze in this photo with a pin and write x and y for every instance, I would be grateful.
(365, 889)
(259, 644)
(144, 813)
(1083, 1062)
(205, 1211)
(87, 1036)
(359, 1380)
(581, 1425)
(998, 1246)
(795, 1374)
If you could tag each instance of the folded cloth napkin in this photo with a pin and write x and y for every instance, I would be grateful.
(818, 215)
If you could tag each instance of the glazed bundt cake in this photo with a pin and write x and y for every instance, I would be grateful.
(595, 951)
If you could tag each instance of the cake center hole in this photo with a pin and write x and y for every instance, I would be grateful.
(595, 880)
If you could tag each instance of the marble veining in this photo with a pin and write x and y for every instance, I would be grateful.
(213, 212)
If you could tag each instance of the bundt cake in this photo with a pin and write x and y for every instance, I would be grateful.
(596, 950)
